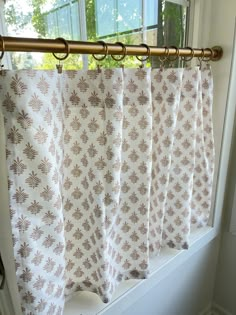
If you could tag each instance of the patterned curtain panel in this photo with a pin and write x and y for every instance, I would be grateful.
(105, 168)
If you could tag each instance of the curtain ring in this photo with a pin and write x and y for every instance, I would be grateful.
(3, 47)
(106, 51)
(206, 59)
(191, 57)
(148, 53)
(124, 52)
(200, 59)
(67, 46)
(166, 55)
(176, 56)
(162, 60)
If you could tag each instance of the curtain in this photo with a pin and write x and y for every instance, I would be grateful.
(105, 168)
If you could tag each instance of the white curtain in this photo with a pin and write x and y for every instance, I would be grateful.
(105, 168)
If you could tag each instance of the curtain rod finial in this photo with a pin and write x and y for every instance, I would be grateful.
(218, 53)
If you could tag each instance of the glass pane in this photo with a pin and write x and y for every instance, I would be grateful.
(105, 17)
(64, 22)
(51, 24)
(75, 25)
(151, 10)
(129, 15)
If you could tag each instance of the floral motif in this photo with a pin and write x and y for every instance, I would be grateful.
(33, 181)
(8, 103)
(14, 136)
(35, 103)
(24, 120)
(18, 167)
(20, 195)
(74, 98)
(43, 85)
(83, 85)
(17, 85)
(35, 207)
(40, 135)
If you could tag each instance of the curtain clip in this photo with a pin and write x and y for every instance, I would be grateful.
(164, 59)
(103, 57)
(188, 59)
(59, 66)
(145, 58)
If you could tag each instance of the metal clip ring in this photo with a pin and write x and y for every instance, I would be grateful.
(207, 59)
(186, 59)
(106, 51)
(67, 46)
(176, 56)
(148, 53)
(124, 52)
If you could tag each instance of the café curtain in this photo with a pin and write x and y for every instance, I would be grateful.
(105, 168)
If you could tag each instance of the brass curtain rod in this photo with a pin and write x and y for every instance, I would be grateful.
(20, 44)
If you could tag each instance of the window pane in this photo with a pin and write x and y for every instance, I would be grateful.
(75, 24)
(51, 24)
(151, 10)
(105, 17)
(129, 15)
(64, 22)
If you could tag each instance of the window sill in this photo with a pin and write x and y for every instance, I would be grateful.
(128, 292)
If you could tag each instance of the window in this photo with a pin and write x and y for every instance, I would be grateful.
(154, 22)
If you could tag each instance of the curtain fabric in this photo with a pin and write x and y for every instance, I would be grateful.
(105, 168)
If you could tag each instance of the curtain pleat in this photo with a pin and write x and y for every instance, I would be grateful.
(205, 154)
(178, 204)
(166, 94)
(105, 169)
